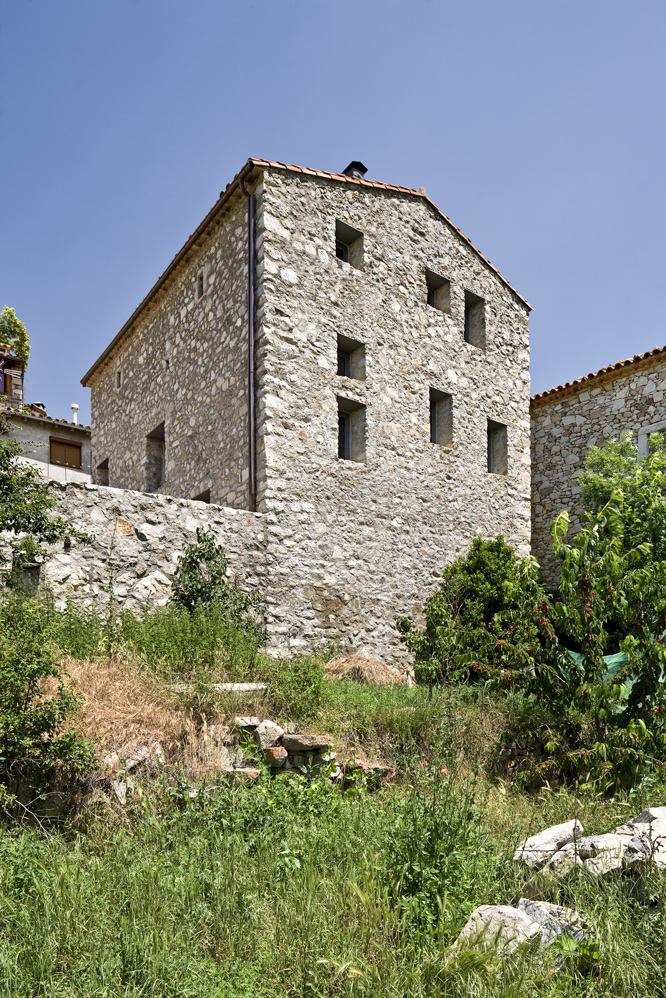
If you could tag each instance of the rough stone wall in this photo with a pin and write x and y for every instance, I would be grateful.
(362, 542)
(184, 364)
(136, 542)
(566, 424)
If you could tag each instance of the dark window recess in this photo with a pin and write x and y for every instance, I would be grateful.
(348, 244)
(342, 251)
(203, 496)
(438, 291)
(343, 364)
(351, 358)
(65, 453)
(351, 430)
(2, 382)
(475, 320)
(497, 458)
(155, 458)
(441, 418)
(200, 286)
(119, 378)
(101, 475)
(344, 437)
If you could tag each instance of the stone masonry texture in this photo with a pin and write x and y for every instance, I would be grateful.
(569, 420)
(346, 546)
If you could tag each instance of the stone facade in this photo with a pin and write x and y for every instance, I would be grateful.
(434, 335)
(566, 421)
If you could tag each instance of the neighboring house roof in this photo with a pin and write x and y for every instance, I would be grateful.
(226, 195)
(604, 374)
(50, 420)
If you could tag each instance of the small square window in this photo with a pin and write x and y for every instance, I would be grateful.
(475, 320)
(119, 378)
(497, 457)
(441, 418)
(351, 358)
(349, 244)
(351, 430)
(438, 291)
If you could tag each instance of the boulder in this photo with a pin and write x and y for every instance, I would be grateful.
(306, 743)
(267, 734)
(275, 756)
(138, 755)
(498, 925)
(597, 853)
(554, 920)
(650, 824)
(506, 927)
(536, 850)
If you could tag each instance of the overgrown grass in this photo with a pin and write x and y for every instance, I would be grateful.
(295, 889)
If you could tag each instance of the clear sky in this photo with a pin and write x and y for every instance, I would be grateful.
(538, 126)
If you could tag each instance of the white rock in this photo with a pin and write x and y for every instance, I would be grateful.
(498, 925)
(554, 920)
(268, 734)
(538, 849)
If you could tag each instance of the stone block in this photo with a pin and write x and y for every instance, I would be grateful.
(536, 850)
(267, 734)
(306, 743)
(275, 756)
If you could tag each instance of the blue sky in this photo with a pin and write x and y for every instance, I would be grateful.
(538, 127)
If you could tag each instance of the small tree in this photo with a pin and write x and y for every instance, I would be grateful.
(459, 615)
(200, 580)
(13, 332)
(27, 502)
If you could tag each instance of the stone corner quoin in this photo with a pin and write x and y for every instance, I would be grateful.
(434, 401)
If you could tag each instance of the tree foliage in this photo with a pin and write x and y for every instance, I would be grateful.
(27, 501)
(200, 580)
(13, 332)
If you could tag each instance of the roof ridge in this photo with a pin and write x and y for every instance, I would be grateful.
(364, 182)
(596, 374)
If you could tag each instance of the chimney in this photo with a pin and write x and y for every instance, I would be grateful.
(74, 407)
(355, 170)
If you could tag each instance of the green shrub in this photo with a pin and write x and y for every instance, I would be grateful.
(297, 687)
(458, 615)
(39, 748)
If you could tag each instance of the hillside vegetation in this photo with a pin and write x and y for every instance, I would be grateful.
(532, 707)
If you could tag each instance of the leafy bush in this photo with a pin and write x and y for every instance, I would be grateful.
(38, 745)
(593, 721)
(200, 580)
(298, 687)
(459, 613)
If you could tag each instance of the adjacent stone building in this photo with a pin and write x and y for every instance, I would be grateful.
(333, 355)
(567, 420)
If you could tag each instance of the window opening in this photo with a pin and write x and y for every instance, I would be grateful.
(200, 285)
(155, 454)
(351, 358)
(203, 496)
(475, 320)
(64, 453)
(441, 418)
(351, 430)
(438, 291)
(119, 378)
(101, 475)
(348, 244)
(497, 458)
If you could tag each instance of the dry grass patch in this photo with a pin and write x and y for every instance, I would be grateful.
(364, 669)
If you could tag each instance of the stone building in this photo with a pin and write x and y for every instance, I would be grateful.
(567, 420)
(58, 448)
(334, 354)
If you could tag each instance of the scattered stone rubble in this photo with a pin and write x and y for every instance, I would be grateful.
(629, 846)
(288, 752)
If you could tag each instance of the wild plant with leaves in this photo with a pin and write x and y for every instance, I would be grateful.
(597, 719)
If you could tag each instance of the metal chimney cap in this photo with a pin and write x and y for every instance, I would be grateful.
(355, 170)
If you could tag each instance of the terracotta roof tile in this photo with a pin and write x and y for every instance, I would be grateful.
(597, 374)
